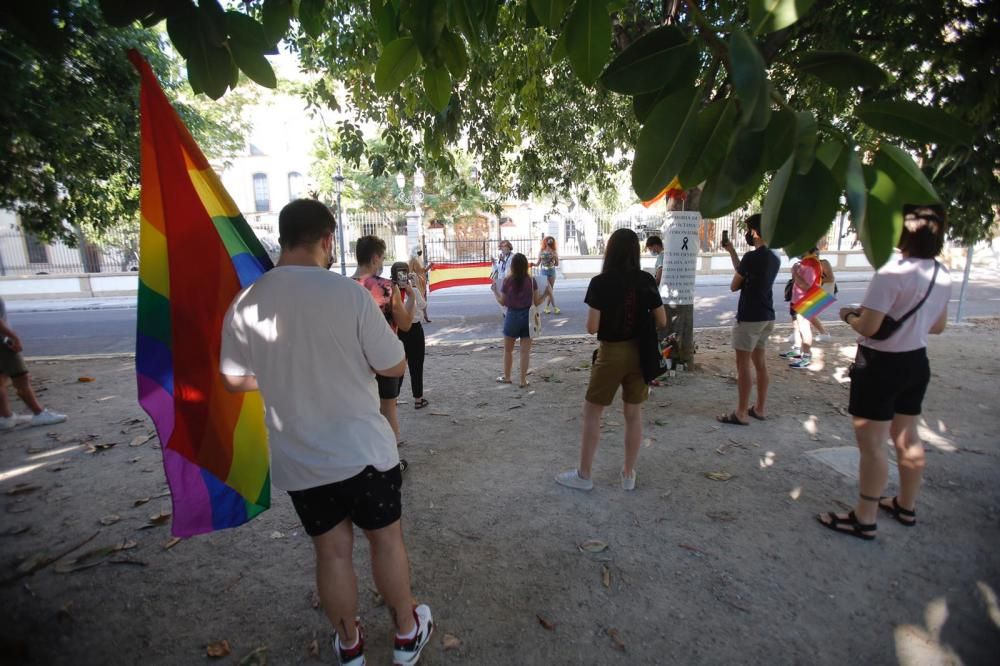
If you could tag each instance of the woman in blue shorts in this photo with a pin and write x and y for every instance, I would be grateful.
(548, 259)
(518, 293)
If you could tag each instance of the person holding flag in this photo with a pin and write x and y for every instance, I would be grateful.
(807, 275)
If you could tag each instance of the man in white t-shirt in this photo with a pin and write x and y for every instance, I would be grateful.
(311, 341)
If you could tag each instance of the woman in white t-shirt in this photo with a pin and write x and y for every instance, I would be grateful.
(890, 374)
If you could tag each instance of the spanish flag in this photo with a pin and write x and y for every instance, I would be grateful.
(442, 276)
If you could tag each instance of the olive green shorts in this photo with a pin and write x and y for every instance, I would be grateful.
(11, 362)
(617, 364)
(750, 335)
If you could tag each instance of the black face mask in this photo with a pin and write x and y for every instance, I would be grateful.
(748, 236)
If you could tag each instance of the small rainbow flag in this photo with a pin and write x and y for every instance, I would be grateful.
(196, 252)
(442, 276)
(813, 302)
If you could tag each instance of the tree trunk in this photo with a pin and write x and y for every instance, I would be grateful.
(682, 316)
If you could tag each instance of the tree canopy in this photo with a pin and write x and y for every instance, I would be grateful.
(69, 116)
(819, 102)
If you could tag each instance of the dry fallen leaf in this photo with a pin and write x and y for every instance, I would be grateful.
(218, 649)
(140, 501)
(170, 544)
(313, 650)
(593, 546)
(139, 440)
(449, 642)
(110, 519)
(605, 575)
(616, 639)
(97, 448)
(718, 476)
(551, 626)
(256, 658)
(84, 380)
(156, 520)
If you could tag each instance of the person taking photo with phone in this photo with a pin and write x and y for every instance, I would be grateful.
(414, 341)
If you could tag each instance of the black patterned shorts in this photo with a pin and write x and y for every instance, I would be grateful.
(371, 500)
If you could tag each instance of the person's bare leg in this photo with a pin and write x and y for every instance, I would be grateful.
(389, 411)
(744, 383)
(805, 333)
(391, 571)
(818, 325)
(796, 336)
(525, 359)
(591, 437)
(4, 402)
(508, 357)
(873, 469)
(633, 436)
(759, 358)
(909, 457)
(22, 385)
(336, 581)
(552, 290)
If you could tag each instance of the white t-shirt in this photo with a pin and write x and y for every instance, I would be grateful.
(312, 337)
(895, 289)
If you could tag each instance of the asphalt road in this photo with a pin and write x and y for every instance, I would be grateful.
(468, 313)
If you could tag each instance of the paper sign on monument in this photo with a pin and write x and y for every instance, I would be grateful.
(680, 257)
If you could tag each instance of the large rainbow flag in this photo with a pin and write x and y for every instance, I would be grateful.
(442, 275)
(813, 302)
(195, 253)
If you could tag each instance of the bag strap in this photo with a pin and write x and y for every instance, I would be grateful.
(929, 289)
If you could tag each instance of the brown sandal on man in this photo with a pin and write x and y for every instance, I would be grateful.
(731, 419)
(904, 517)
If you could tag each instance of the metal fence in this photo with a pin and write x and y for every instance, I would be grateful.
(472, 251)
(25, 254)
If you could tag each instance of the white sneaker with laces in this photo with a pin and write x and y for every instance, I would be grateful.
(407, 651)
(824, 337)
(47, 417)
(572, 479)
(628, 482)
(8, 422)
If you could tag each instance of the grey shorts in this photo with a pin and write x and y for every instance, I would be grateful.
(11, 362)
(750, 335)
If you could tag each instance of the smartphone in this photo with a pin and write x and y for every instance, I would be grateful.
(402, 277)
(725, 237)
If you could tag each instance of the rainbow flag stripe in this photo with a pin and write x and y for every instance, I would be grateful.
(196, 252)
(814, 302)
(442, 276)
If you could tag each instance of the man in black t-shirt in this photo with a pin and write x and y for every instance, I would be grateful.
(754, 279)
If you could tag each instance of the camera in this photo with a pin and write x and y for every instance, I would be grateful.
(402, 277)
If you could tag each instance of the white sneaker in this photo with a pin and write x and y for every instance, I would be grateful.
(407, 652)
(628, 482)
(47, 417)
(824, 337)
(9, 422)
(572, 479)
(354, 656)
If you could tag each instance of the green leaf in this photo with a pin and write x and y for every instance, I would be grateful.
(772, 15)
(311, 17)
(914, 188)
(398, 60)
(437, 85)
(738, 177)
(911, 120)
(779, 141)
(712, 133)
(467, 21)
(426, 20)
(209, 68)
(183, 31)
(454, 54)
(854, 182)
(749, 79)
(246, 31)
(664, 143)
(549, 12)
(254, 64)
(650, 62)
(386, 21)
(276, 15)
(805, 141)
(799, 208)
(559, 50)
(880, 228)
(834, 154)
(122, 13)
(588, 39)
(841, 69)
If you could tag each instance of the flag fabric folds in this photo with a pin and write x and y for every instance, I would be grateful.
(195, 253)
(813, 302)
(442, 276)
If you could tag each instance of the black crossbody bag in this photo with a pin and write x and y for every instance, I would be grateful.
(890, 325)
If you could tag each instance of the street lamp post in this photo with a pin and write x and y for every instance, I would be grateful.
(338, 186)
(414, 219)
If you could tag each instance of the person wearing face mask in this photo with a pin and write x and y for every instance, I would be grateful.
(419, 271)
(754, 279)
(548, 259)
(370, 252)
(501, 268)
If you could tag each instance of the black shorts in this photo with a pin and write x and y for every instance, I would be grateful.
(370, 499)
(388, 387)
(884, 384)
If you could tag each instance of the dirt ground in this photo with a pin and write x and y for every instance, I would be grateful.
(695, 570)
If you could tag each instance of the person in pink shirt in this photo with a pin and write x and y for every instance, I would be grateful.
(806, 274)
(906, 300)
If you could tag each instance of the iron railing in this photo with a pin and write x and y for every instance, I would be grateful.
(472, 251)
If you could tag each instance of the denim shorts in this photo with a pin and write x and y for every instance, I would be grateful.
(547, 272)
(515, 324)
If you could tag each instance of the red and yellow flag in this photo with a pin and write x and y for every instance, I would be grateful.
(442, 276)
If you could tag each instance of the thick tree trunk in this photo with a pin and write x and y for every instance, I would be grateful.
(682, 316)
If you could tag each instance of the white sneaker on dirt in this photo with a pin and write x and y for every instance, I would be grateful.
(572, 479)
(46, 417)
(8, 422)
(354, 656)
(824, 337)
(628, 482)
(407, 651)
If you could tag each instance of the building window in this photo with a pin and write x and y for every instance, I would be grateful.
(37, 252)
(570, 228)
(261, 193)
(294, 186)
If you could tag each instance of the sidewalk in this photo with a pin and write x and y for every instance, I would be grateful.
(689, 569)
